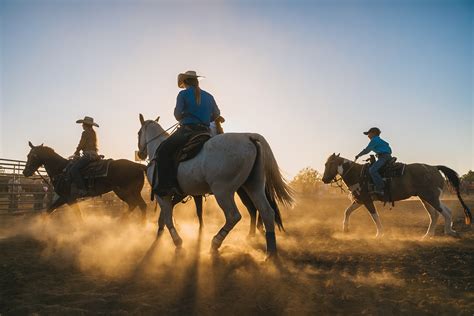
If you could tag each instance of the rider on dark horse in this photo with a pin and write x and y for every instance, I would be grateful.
(88, 146)
(195, 110)
(384, 154)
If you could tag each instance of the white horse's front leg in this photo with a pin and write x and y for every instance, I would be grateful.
(347, 214)
(375, 217)
(167, 212)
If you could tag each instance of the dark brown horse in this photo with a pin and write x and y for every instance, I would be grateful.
(125, 178)
(420, 180)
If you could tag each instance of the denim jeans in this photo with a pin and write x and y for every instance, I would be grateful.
(374, 171)
(76, 170)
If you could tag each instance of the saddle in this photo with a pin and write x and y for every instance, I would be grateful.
(391, 169)
(192, 147)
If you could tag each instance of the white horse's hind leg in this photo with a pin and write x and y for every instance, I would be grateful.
(232, 217)
(268, 216)
(448, 221)
(434, 214)
(347, 214)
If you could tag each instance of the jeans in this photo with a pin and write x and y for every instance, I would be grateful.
(374, 171)
(167, 167)
(76, 170)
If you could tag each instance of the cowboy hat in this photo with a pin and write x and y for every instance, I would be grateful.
(88, 121)
(186, 75)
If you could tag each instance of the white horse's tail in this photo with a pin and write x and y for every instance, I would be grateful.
(276, 186)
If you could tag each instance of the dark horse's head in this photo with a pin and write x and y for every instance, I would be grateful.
(34, 160)
(331, 167)
(142, 137)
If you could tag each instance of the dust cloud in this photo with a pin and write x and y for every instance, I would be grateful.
(106, 264)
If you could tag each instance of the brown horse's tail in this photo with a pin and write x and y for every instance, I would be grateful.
(453, 178)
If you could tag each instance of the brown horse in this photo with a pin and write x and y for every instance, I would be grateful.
(124, 177)
(420, 180)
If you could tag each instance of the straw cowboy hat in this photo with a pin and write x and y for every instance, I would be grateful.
(88, 121)
(186, 75)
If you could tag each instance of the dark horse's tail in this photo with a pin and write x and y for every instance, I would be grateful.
(453, 178)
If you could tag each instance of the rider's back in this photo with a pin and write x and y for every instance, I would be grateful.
(188, 111)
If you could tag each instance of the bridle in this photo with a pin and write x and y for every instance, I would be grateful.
(340, 179)
(154, 137)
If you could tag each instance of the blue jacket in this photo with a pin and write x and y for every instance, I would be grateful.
(378, 146)
(188, 112)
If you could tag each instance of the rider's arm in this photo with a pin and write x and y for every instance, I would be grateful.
(179, 109)
(215, 110)
(81, 143)
(367, 149)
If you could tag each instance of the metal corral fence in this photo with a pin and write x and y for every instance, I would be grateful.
(19, 194)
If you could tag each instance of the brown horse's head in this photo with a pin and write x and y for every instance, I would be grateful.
(35, 159)
(331, 167)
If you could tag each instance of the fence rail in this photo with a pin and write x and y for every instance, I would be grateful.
(19, 194)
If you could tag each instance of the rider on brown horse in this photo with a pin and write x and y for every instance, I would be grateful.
(384, 154)
(195, 109)
(88, 146)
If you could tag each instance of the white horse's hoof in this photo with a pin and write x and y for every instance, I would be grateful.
(452, 233)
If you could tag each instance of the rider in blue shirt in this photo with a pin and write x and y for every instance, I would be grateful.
(195, 109)
(384, 153)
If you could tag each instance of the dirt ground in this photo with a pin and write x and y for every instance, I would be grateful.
(108, 266)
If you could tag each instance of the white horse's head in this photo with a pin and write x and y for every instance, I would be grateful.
(150, 132)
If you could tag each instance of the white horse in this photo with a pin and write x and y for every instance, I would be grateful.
(226, 163)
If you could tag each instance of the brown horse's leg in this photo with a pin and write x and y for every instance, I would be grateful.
(77, 211)
(433, 218)
(375, 217)
(127, 198)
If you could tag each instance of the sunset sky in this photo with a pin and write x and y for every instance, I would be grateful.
(310, 76)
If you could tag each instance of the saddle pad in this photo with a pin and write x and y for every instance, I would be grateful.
(193, 146)
(96, 169)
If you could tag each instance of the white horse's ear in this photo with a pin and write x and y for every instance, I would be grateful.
(157, 119)
(142, 120)
(31, 145)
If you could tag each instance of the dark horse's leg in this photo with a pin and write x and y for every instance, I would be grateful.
(133, 199)
(198, 202)
(77, 211)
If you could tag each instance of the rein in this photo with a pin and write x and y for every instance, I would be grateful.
(44, 179)
(340, 179)
(160, 134)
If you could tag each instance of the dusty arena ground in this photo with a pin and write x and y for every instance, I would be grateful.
(110, 267)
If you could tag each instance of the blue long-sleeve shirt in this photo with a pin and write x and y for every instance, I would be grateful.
(187, 110)
(378, 146)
